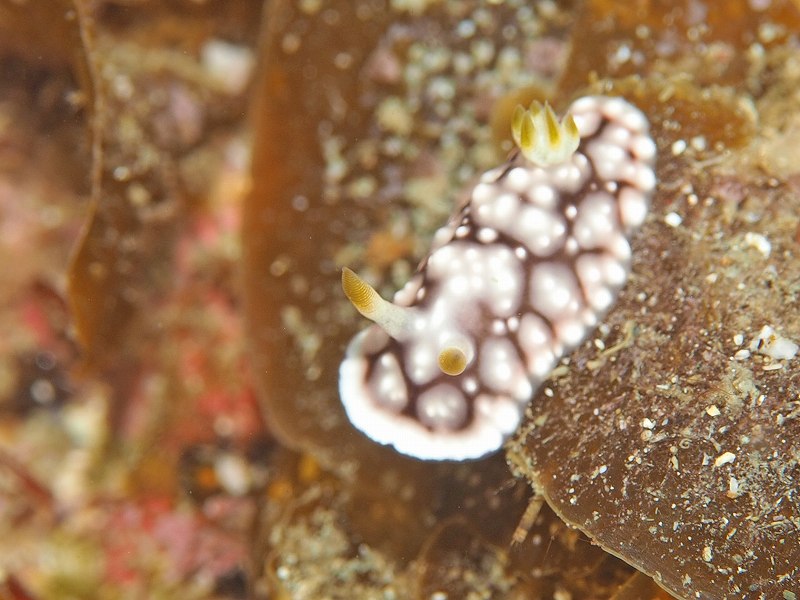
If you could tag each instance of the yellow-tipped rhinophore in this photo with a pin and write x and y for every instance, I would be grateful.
(452, 361)
(394, 320)
(540, 137)
(360, 293)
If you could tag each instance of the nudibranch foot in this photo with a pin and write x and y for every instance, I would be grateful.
(519, 277)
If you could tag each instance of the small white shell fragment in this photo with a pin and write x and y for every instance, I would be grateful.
(759, 242)
(228, 65)
(673, 219)
(733, 487)
(233, 473)
(769, 343)
(521, 274)
(678, 147)
(698, 143)
(724, 459)
(712, 411)
(772, 367)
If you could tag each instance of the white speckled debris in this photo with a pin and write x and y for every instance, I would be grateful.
(517, 278)
(770, 343)
(724, 459)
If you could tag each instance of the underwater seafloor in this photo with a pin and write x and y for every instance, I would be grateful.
(180, 184)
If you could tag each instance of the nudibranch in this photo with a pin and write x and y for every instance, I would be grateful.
(519, 276)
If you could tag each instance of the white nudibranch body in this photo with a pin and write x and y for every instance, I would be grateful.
(517, 278)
